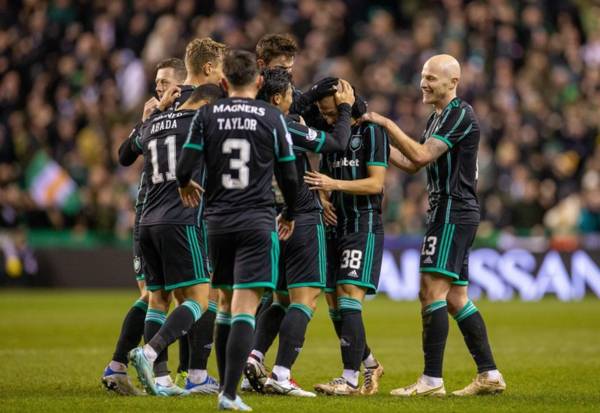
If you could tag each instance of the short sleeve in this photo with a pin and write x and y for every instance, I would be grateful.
(455, 125)
(378, 147)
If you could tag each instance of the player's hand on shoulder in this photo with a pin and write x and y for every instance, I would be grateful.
(285, 228)
(373, 117)
(149, 107)
(169, 97)
(344, 93)
(190, 194)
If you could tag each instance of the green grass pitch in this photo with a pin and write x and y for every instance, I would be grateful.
(55, 344)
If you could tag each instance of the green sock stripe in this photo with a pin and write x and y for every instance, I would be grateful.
(192, 251)
(223, 318)
(194, 307)
(243, 315)
(153, 316)
(244, 318)
(278, 304)
(212, 306)
(304, 308)
(141, 304)
(436, 305)
(467, 314)
(347, 303)
(198, 251)
(158, 313)
(349, 300)
(466, 311)
(335, 315)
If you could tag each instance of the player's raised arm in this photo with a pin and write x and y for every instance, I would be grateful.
(321, 141)
(402, 162)
(323, 87)
(417, 153)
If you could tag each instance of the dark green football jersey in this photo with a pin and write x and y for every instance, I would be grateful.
(452, 178)
(368, 146)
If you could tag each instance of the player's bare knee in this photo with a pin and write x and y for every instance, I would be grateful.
(159, 300)
(224, 300)
(145, 296)
(352, 291)
(433, 288)
(198, 293)
(245, 300)
(305, 295)
(213, 294)
(457, 298)
(179, 296)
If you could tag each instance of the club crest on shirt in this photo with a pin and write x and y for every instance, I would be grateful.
(312, 135)
(355, 142)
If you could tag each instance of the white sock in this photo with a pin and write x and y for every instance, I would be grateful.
(370, 361)
(282, 373)
(260, 356)
(351, 376)
(149, 353)
(117, 366)
(164, 381)
(492, 374)
(197, 376)
(432, 381)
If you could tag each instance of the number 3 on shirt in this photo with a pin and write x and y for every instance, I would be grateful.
(237, 164)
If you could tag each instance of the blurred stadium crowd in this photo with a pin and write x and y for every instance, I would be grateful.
(74, 76)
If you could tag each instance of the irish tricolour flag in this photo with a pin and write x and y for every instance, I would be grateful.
(50, 185)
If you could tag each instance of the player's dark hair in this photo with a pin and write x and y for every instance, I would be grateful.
(240, 68)
(208, 92)
(276, 80)
(173, 63)
(273, 45)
